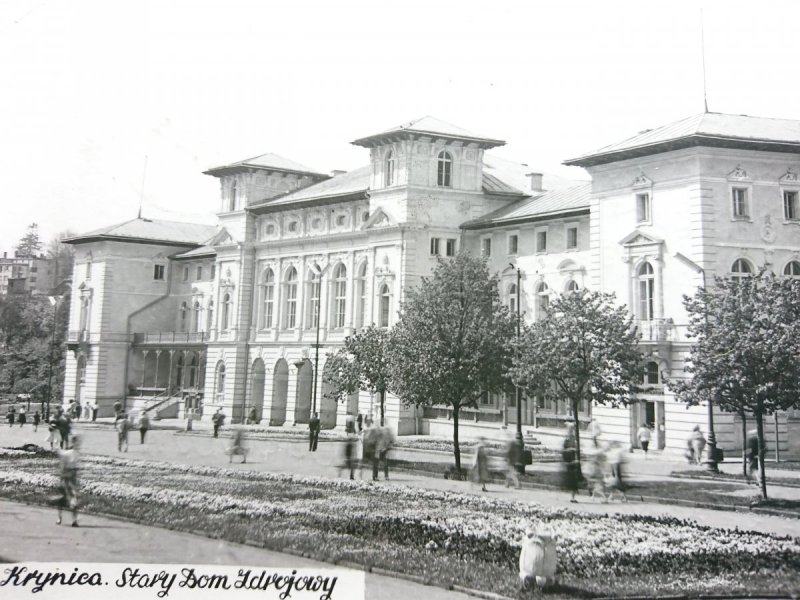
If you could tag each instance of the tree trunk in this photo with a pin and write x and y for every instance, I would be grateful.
(456, 449)
(577, 436)
(382, 396)
(744, 443)
(761, 446)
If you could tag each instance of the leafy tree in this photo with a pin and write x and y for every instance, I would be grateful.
(30, 244)
(746, 352)
(452, 342)
(586, 349)
(362, 364)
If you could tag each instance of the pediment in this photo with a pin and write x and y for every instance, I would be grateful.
(790, 177)
(642, 181)
(639, 238)
(378, 220)
(221, 238)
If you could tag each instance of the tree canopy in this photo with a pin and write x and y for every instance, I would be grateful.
(452, 342)
(30, 245)
(585, 349)
(362, 364)
(746, 351)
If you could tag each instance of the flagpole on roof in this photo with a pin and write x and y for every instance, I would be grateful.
(703, 56)
(141, 194)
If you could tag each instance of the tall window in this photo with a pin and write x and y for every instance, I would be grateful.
(199, 273)
(219, 388)
(268, 299)
(650, 375)
(184, 311)
(643, 208)
(486, 247)
(792, 268)
(791, 205)
(158, 272)
(740, 205)
(646, 291)
(444, 169)
(185, 274)
(384, 306)
(572, 287)
(449, 247)
(225, 317)
(210, 316)
(361, 294)
(572, 238)
(512, 298)
(196, 317)
(313, 299)
(541, 241)
(88, 269)
(339, 295)
(389, 173)
(741, 268)
(232, 205)
(513, 240)
(86, 304)
(435, 246)
(542, 300)
(291, 298)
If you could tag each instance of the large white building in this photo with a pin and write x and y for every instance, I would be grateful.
(202, 317)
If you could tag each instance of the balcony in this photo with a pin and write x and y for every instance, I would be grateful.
(170, 338)
(661, 330)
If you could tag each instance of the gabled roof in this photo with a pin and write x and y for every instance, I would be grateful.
(706, 129)
(428, 127)
(564, 201)
(151, 231)
(268, 161)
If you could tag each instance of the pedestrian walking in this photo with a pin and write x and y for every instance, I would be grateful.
(644, 437)
(94, 411)
(350, 455)
(36, 420)
(144, 425)
(385, 443)
(753, 473)
(597, 475)
(217, 419)
(64, 428)
(237, 448)
(87, 411)
(349, 424)
(313, 432)
(368, 420)
(68, 486)
(360, 422)
(21, 416)
(616, 459)
(697, 444)
(52, 431)
(369, 450)
(123, 426)
(11, 416)
(253, 418)
(571, 466)
(117, 408)
(480, 468)
(513, 456)
(595, 431)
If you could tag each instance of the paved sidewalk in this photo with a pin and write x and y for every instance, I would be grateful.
(293, 457)
(30, 534)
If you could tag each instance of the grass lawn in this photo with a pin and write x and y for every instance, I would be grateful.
(443, 537)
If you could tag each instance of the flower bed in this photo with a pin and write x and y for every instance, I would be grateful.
(445, 537)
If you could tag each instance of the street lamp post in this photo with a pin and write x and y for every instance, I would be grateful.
(711, 455)
(517, 390)
(54, 301)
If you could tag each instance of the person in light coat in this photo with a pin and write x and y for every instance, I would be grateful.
(537, 560)
(480, 468)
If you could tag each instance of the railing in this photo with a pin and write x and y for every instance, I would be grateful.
(170, 337)
(662, 330)
(86, 337)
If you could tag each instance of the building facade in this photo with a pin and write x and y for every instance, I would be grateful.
(189, 318)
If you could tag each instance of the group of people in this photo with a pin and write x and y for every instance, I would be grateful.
(605, 469)
(20, 416)
(123, 423)
(376, 442)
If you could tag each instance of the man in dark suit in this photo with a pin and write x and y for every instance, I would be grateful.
(313, 433)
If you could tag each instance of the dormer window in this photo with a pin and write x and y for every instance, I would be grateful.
(389, 169)
(444, 170)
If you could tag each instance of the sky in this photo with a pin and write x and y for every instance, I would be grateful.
(104, 105)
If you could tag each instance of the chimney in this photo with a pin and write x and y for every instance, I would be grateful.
(536, 181)
(337, 172)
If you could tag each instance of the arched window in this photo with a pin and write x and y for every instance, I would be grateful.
(571, 287)
(339, 295)
(651, 374)
(219, 384)
(741, 268)
(792, 268)
(184, 310)
(290, 284)
(210, 316)
(444, 169)
(232, 205)
(646, 292)
(389, 169)
(314, 287)
(227, 309)
(542, 300)
(512, 298)
(361, 294)
(385, 299)
(268, 299)
(196, 317)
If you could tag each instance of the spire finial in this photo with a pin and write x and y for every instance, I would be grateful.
(703, 55)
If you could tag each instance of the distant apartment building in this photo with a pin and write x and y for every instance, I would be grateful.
(26, 275)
